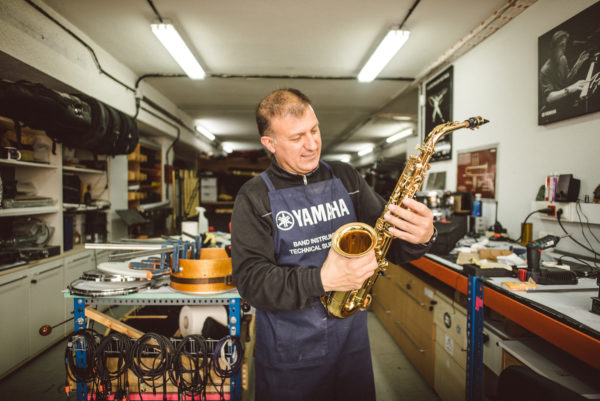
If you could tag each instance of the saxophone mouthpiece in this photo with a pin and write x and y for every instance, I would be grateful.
(475, 122)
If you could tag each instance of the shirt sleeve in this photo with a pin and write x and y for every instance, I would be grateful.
(259, 280)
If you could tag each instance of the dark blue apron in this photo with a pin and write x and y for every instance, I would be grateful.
(306, 354)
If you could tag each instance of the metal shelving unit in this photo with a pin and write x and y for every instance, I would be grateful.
(158, 297)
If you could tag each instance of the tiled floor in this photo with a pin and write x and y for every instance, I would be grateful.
(395, 378)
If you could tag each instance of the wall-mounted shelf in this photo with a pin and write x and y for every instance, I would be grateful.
(83, 170)
(18, 163)
(28, 211)
(572, 211)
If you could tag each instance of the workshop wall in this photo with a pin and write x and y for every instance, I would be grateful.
(36, 41)
(498, 80)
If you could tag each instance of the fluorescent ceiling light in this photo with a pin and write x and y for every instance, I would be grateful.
(345, 158)
(226, 148)
(387, 49)
(365, 151)
(400, 135)
(170, 39)
(205, 132)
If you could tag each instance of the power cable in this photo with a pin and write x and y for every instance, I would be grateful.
(155, 11)
(82, 42)
(559, 213)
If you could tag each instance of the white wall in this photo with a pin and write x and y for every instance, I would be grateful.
(498, 80)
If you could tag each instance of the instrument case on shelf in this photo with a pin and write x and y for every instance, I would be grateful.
(64, 117)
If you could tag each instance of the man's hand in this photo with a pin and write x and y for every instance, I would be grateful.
(413, 224)
(340, 273)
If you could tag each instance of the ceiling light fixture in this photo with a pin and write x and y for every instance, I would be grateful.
(365, 151)
(205, 132)
(226, 148)
(170, 39)
(387, 49)
(345, 158)
(400, 135)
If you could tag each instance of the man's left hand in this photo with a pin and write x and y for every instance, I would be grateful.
(412, 223)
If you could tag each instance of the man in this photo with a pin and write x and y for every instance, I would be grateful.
(557, 79)
(282, 263)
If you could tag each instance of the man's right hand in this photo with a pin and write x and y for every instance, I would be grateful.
(340, 273)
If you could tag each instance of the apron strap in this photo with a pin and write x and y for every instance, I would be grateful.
(267, 181)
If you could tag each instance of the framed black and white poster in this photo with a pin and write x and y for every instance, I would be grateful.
(438, 110)
(568, 68)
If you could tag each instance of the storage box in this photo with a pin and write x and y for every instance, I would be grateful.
(208, 189)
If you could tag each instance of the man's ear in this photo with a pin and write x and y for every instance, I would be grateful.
(267, 142)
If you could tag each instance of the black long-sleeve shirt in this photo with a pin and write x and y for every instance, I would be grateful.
(258, 278)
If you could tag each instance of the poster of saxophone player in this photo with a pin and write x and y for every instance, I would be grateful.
(476, 172)
(438, 110)
(569, 68)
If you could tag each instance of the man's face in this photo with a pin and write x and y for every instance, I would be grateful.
(295, 142)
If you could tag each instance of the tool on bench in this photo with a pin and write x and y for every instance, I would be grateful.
(547, 275)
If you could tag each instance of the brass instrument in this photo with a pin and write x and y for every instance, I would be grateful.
(356, 239)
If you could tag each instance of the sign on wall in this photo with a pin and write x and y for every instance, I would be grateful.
(438, 110)
(476, 172)
(569, 68)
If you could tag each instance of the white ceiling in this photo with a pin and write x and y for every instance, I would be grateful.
(249, 48)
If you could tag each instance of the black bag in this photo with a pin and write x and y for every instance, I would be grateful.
(129, 136)
(62, 116)
(109, 144)
(99, 130)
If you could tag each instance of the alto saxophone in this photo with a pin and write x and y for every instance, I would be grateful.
(356, 239)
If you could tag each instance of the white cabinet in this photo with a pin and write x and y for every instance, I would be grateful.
(14, 309)
(46, 303)
(75, 266)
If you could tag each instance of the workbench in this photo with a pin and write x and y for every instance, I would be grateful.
(562, 318)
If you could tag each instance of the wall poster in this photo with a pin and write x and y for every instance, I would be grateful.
(476, 172)
(569, 68)
(438, 110)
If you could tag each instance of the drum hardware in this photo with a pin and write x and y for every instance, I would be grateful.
(99, 276)
(102, 289)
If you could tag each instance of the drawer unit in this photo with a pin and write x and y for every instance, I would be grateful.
(14, 309)
(47, 304)
(450, 377)
(401, 304)
(452, 319)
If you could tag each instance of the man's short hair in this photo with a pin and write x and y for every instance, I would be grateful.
(279, 103)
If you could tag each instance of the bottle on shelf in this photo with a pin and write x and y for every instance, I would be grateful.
(477, 206)
(202, 220)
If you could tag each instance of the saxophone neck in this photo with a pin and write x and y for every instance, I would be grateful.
(443, 129)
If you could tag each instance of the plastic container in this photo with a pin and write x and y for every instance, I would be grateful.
(202, 220)
(477, 206)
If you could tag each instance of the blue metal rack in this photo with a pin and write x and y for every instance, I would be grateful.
(232, 299)
(474, 385)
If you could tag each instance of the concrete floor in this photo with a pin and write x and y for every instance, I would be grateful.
(395, 379)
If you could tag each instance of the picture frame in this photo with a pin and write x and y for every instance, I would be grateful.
(438, 110)
(476, 171)
(569, 68)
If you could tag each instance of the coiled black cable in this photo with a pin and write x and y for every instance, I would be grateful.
(151, 358)
(190, 366)
(228, 352)
(77, 368)
(118, 347)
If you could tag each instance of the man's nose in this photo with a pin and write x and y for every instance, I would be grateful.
(311, 141)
